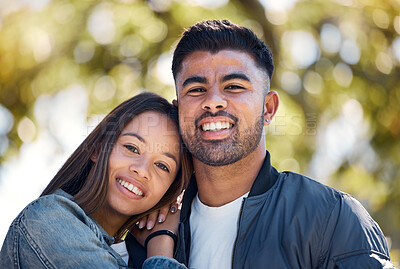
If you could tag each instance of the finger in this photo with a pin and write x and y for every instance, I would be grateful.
(180, 198)
(151, 220)
(163, 213)
(142, 222)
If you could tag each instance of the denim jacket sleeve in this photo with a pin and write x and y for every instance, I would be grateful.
(54, 232)
(162, 262)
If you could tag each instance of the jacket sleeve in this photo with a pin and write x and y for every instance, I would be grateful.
(162, 262)
(183, 237)
(55, 234)
(352, 239)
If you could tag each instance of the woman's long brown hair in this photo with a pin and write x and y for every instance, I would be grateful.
(87, 181)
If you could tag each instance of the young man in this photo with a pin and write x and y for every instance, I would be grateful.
(238, 211)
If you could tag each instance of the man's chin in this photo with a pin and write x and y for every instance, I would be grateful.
(216, 157)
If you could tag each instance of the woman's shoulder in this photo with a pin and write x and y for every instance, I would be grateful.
(55, 218)
(54, 209)
(58, 201)
(54, 231)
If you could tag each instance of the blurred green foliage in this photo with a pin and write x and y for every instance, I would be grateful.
(115, 49)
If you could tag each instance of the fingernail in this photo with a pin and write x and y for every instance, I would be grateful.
(173, 209)
(150, 225)
(160, 218)
(141, 225)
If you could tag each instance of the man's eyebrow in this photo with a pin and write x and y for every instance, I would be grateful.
(135, 135)
(235, 76)
(194, 79)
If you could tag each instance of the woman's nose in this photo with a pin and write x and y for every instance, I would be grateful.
(141, 168)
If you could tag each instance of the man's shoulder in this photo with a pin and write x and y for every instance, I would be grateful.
(298, 185)
(314, 191)
(303, 193)
(332, 215)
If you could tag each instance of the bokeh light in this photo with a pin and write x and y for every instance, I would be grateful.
(350, 52)
(302, 48)
(101, 24)
(330, 38)
(343, 74)
(290, 82)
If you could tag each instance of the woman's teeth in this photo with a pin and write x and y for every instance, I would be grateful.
(130, 187)
(216, 126)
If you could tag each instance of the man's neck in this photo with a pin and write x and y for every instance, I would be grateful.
(219, 185)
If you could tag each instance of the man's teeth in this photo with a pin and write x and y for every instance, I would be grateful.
(130, 187)
(216, 126)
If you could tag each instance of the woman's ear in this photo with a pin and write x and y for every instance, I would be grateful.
(175, 102)
(94, 157)
(271, 104)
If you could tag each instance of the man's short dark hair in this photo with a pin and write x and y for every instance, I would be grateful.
(217, 35)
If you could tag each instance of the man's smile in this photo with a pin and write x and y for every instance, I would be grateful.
(216, 126)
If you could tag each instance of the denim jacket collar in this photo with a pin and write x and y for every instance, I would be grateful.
(109, 239)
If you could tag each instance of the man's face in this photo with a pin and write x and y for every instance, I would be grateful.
(221, 105)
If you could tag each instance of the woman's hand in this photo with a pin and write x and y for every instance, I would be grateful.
(161, 244)
(159, 216)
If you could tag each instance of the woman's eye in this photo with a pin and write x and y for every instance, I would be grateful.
(162, 166)
(131, 148)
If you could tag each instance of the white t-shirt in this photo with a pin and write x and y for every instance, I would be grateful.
(120, 248)
(213, 234)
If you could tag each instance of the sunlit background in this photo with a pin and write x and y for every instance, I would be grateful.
(64, 64)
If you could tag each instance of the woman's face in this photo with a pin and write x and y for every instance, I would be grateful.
(143, 164)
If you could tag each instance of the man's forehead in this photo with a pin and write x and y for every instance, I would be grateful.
(223, 61)
(230, 56)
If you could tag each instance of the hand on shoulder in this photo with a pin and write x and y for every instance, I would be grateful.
(163, 243)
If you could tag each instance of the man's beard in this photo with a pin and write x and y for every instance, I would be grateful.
(226, 151)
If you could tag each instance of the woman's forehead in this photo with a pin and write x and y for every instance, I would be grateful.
(152, 121)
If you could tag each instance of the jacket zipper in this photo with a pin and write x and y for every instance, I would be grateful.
(237, 233)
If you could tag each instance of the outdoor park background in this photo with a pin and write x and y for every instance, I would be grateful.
(64, 64)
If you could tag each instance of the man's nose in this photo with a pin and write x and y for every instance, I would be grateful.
(214, 101)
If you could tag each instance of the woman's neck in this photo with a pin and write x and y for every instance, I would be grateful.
(111, 223)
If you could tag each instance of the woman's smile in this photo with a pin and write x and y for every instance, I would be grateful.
(130, 187)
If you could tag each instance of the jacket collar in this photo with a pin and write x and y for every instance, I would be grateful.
(266, 178)
(109, 239)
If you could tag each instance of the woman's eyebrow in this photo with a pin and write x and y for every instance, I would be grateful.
(171, 156)
(135, 135)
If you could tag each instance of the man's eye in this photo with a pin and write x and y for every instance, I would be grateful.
(162, 166)
(234, 87)
(195, 91)
(132, 148)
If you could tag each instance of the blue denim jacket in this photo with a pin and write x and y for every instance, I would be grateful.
(54, 232)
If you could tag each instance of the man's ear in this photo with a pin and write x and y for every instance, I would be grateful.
(271, 104)
(175, 102)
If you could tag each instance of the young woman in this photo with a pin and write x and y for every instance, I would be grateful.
(132, 163)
